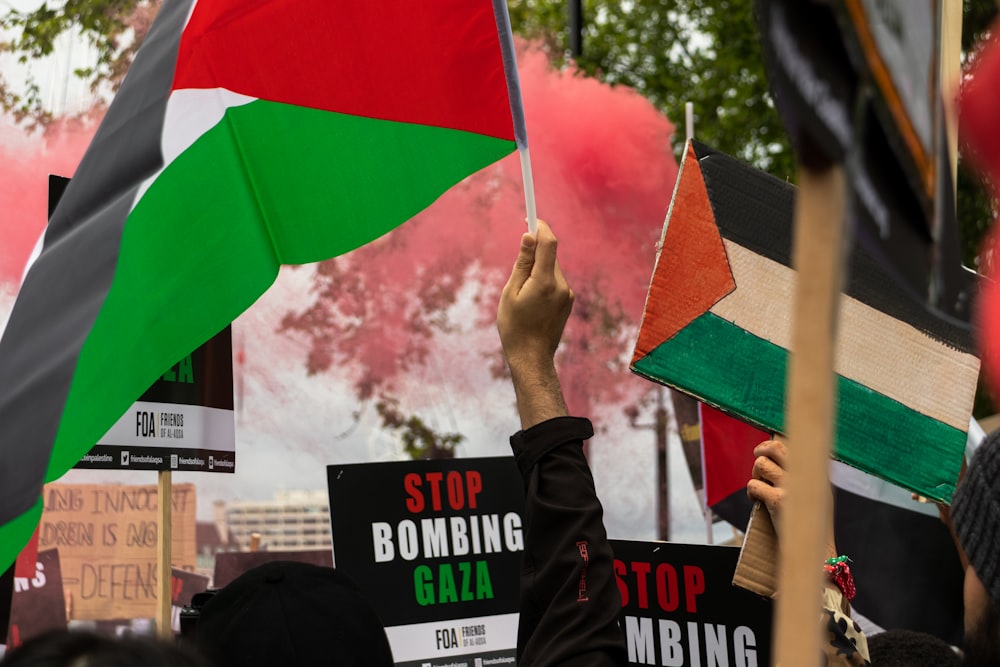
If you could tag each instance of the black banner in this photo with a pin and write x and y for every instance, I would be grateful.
(679, 606)
(204, 377)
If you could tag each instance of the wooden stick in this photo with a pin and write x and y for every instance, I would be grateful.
(810, 411)
(165, 498)
(951, 74)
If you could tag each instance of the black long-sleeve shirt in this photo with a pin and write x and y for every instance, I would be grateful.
(570, 603)
(569, 600)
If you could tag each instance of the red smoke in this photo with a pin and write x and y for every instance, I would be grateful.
(26, 160)
(981, 144)
(604, 174)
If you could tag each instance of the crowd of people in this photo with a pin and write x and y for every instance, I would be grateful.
(296, 614)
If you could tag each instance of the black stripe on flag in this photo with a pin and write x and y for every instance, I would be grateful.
(905, 565)
(66, 287)
(736, 191)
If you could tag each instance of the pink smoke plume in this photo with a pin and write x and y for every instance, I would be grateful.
(604, 173)
(26, 160)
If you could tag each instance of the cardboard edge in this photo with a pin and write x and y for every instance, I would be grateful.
(757, 567)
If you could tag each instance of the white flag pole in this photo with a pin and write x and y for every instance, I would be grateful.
(529, 190)
(688, 122)
(516, 109)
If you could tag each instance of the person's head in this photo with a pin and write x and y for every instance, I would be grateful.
(64, 648)
(975, 513)
(907, 648)
(290, 614)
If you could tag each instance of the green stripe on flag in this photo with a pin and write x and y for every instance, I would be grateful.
(206, 239)
(871, 426)
(15, 534)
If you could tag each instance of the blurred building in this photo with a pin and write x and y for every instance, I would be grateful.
(291, 521)
(213, 537)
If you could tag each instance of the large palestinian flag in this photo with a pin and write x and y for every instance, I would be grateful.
(718, 319)
(248, 134)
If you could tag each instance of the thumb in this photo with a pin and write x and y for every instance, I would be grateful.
(525, 260)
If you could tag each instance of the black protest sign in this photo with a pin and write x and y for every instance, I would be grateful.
(810, 73)
(895, 46)
(6, 595)
(679, 607)
(184, 421)
(856, 83)
(38, 603)
(436, 543)
(832, 63)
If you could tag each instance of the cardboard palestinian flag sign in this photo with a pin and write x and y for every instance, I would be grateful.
(246, 135)
(717, 324)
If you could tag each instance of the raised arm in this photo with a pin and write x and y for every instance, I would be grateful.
(569, 600)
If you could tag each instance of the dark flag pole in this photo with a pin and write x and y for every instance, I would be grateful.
(576, 27)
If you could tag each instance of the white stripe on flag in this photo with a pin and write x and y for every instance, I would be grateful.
(873, 348)
(862, 484)
(190, 113)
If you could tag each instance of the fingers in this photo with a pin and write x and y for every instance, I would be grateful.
(768, 477)
(545, 253)
(536, 302)
(522, 265)
(766, 470)
(769, 466)
(563, 285)
(774, 450)
(767, 494)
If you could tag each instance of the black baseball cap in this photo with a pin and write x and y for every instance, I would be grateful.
(288, 613)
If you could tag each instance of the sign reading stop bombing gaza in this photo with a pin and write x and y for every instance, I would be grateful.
(437, 549)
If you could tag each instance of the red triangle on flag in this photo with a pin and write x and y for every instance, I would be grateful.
(692, 272)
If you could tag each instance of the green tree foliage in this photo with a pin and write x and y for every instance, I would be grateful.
(420, 441)
(115, 28)
(674, 51)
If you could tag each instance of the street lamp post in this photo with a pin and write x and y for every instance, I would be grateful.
(659, 426)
